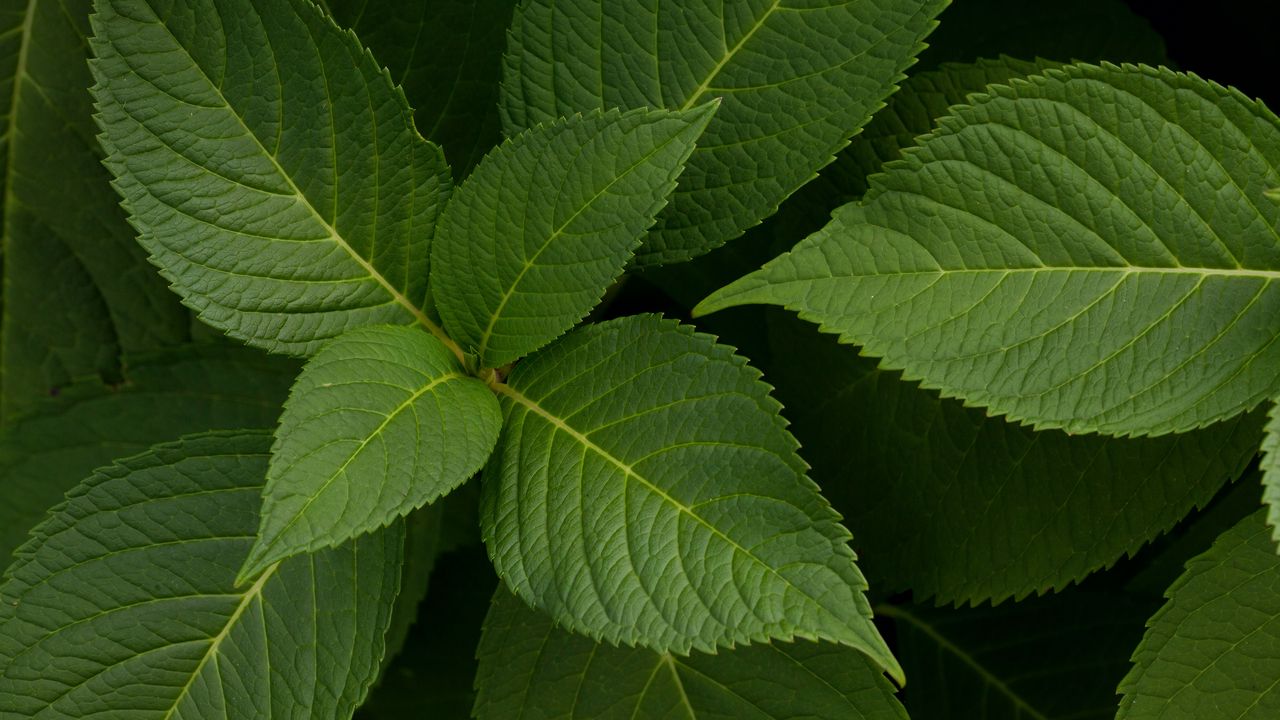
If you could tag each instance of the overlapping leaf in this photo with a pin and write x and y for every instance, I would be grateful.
(963, 508)
(1213, 651)
(447, 55)
(797, 80)
(381, 421)
(168, 394)
(552, 218)
(78, 291)
(271, 166)
(646, 492)
(1088, 249)
(530, 668)
(124, 604)
(1270, 465)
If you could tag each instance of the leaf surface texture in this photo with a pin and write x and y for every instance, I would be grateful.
(530, 668)
(797, 79)
(381, 421)
(271, 166)
(646, 492)
(1087, 250)
(552, 217)
(123, 605)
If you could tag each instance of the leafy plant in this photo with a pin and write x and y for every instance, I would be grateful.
(451, 245)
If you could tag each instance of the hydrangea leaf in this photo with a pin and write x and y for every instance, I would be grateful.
(645, 491)
(79, 293)
(447, 56)
(1210, 652)
(797, 79)
(964, 508)
(531, 668)
(167, 394)
(553, 216)
(124, 602)
(1270, 466)
(270, 164)
(381, 421)
(1088, 249)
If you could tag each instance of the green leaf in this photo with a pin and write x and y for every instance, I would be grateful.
(1213, 651)
(168, 394)
(1270, 466)
(1058, 656)
(952, 504)
(797, 79)
(530, 668)
(632, 455)
(1273, 194)
(447, 56)
(381, 421)
(1084, 250)
(78, 291)
(1088, 30)
(271, 166)
(552, 218)
(124, 604)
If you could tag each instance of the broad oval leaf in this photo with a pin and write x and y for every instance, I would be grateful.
(1087, 250)
(964, 508)
(168, 394)
(271, 166)
(547, 221)
(381, 421)
(530, 668)
(797, 79)
(645, 491)
(124, 604)
(1213, 650)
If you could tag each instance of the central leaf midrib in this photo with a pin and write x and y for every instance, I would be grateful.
(1124, 270)
(729, 54)
(562, 426)
(419, 315)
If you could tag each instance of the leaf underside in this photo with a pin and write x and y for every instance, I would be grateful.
(1210, 652)
(1087, 250)
(797, 80)
(530, 668)
(272, 168)
(381, 421)
(964, 508)
(552, 217)
(646, 492)
(123, 604)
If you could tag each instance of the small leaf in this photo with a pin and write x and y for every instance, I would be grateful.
(271, 166)
(1211, 651)
(548, 220)
(797, 80)
(964, 508)
(168, 394)
(531, 668)
(381, 421)
(447, 55)
(1085, 250)
(645, 491)
(123, 604)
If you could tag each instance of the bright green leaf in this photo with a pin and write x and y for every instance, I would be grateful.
(273, 169)
(78, 291)
(1051, 658)
(124, 603)
(1270, 466)
(954, 505)
(547, 221)
(168, 394)
(381, 421)
(797, 79)
(1085, 250)
(529, 668)
(1213, 651)
(646, 492)
(447, 55)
